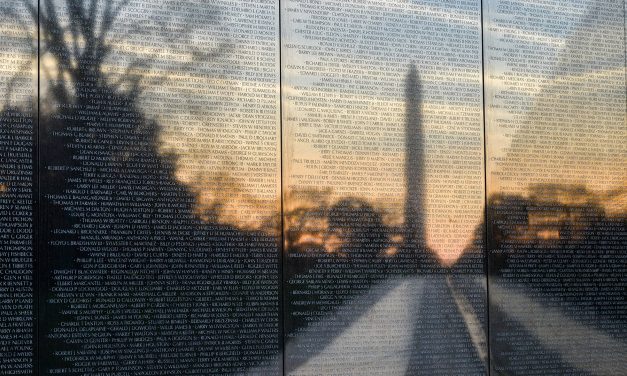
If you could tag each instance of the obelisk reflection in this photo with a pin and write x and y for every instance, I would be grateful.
(414, 163)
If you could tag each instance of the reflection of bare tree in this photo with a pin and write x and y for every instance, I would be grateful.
(79, 36)
(110, 159)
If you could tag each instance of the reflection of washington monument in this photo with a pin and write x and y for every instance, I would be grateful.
(414, 163)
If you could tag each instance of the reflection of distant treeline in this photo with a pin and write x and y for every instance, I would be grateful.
(559, 242)
(565, 222)
(334, 252)
(349, 229)
(550, 218)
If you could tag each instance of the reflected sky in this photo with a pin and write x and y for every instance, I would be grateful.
(560, 117)
(17, 56)
(208, 74)
(345, 110)
(211, 78)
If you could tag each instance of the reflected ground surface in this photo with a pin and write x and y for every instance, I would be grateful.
(367, 288)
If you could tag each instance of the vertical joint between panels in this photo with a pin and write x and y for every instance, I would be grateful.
(486, 196)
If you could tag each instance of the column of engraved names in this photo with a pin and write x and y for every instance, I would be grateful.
(16, 192)
(231, 139)
(346, 73)
(143, 279)
(555, 89)
(551, 75)
(221, 115)
(346, 105)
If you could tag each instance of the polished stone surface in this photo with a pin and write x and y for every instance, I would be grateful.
(313, 187)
